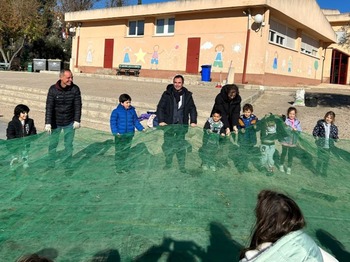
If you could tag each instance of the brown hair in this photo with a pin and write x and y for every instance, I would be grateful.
(34, 258)
(331, 114)
(290, 109)
(248, 107)
(276, 216)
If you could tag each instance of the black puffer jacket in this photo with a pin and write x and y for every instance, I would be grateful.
(63, 105)
(319, 134)
(230, 109)
(165, 108)
(16, 130)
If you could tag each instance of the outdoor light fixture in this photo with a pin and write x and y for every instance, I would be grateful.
(258, 24)
(258, 19)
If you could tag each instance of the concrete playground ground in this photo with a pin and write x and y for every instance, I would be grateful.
(90, 212)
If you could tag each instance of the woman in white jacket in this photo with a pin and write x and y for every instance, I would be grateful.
(278, 235)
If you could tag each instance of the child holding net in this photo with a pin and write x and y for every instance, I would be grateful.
(289, 142)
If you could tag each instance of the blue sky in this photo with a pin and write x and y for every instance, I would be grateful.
(342, 5)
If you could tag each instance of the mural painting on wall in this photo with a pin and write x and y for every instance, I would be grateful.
(290, 64)
(237, 48)
(218, 62)
(89, 54)
(309, 70)
(171, 56)
(275, 61)
(126, 59)
(140, 56)
(155, 56)
(207, 46)
(299, 70)
(316, 67)
(284, 64)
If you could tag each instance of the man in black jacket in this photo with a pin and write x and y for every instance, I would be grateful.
(63, 112)
(176, 108)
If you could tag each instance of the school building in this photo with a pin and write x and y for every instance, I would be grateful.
(263, 42)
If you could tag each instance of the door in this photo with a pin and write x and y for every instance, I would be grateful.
(192, 60)
(108, 57)
(339, 67)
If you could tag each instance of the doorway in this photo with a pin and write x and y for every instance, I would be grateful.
(339, 67)
(108, 57)
(192, 59)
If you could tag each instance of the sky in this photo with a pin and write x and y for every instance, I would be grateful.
(342, 5)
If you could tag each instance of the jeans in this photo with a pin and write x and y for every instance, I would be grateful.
(68, 133)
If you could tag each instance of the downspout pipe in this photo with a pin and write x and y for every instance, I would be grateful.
(244, 81)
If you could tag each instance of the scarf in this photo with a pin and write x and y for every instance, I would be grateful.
(177, 94)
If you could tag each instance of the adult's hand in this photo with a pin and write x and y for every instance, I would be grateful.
(162, 124)
(235, 130)
(48, 128)
(76, 125)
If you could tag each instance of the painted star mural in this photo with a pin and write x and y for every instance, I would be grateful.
(140, 56)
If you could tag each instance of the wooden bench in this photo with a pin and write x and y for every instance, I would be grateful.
(4, 66)
(127, 69)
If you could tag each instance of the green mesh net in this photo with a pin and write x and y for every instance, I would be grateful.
(95, 206)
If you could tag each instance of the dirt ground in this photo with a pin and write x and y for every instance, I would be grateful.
(277, 101)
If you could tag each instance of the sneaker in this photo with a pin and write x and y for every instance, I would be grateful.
(289, 170)
(282, 168)
(213, 168)
(205, 167)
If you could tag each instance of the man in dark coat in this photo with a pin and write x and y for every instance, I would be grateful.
(228, 102)
(63, 112)
(176, 108)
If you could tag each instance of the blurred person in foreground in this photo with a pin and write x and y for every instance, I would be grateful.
(278, 233)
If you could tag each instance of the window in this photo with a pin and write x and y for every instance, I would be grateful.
(136, 28)
(309, 45)
(282, 35)
(165, 26)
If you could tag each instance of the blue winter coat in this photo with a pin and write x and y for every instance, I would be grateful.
(124, 121)
(248, 138)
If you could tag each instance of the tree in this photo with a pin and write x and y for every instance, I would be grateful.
(75, 5)
(344, 36)
(116, 3)
(20, 23)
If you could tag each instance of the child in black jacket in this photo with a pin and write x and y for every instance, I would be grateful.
(325, 133)
(20, 126)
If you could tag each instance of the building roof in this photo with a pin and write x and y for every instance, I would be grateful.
(296, 12)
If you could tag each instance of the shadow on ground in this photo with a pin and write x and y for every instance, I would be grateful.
(328, 99)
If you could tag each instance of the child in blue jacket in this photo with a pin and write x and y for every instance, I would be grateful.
(247, 124)
(123, 122)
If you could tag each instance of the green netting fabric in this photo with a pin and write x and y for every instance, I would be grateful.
(98, 207)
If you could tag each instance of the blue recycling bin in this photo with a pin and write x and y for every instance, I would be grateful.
(206, 70)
